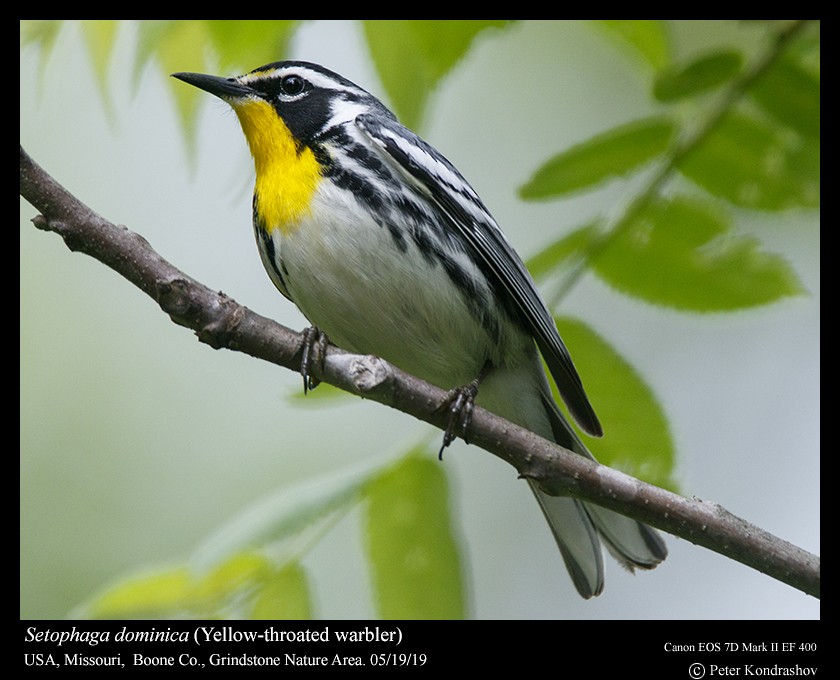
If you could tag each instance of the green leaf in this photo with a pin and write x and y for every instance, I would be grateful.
(176, 46)
(412, 57)
(754, 164)
(100, 36)
(246, 45)
(637, 439)
(42, 34)
(238, 572)
(247, 583)
(284, 595)
(410, 544)
(157, 592)
(606, 155)
(152, 33)
(548, 261)
(285, 514)
(791, 94)
(682, 253)
(702, 74)
(647, 36)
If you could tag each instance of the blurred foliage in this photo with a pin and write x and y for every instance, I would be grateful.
(412, 57)
(411, 547)
(682, 252)
(746, 136)
(610, 154)
(647, 37)
(252, 567)
(700, 75)
(733, 133)
(639, 441)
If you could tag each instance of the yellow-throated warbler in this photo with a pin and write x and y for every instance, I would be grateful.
(388, 250)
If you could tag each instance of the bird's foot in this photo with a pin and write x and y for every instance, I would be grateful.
(313, 355)
(460, 402)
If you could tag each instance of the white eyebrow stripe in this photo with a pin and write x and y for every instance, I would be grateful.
(317, 78)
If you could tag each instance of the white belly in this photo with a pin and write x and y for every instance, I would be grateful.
(356, 285)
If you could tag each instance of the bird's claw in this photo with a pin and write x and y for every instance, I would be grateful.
(460, 403)
(313, 354)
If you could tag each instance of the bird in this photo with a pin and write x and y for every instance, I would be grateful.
(387, 250)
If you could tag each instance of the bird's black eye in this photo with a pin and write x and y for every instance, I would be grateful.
(292, 86)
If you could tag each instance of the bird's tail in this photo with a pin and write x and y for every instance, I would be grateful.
(577, 526)
(522, 395)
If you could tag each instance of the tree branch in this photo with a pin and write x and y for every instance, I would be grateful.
(221, 322)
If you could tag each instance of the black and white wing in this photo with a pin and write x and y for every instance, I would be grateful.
(440, 182)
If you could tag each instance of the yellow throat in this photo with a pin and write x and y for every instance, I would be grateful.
(287, 175)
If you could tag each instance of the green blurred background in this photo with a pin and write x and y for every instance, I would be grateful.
(137, 441)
